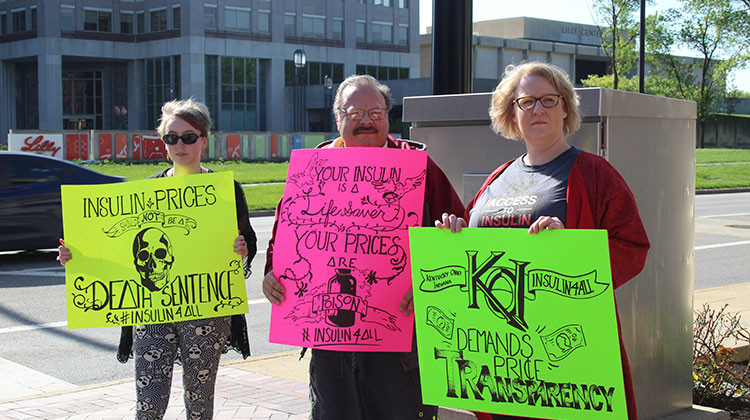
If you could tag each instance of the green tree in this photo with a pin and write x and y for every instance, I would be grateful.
(618, 34)
(714, 30)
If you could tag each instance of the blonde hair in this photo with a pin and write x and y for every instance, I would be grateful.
(502, 113)
(193, 112)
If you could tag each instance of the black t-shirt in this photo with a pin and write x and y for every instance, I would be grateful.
(523, 193)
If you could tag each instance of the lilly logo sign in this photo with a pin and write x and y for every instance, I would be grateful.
(43, 144)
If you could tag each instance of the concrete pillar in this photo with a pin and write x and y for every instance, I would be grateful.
(278, 112)
(50, 91)
(193, 71)
(136, 96)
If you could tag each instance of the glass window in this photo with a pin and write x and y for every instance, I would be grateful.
(126, 23)
(237, 19)
(403, 4)
(97, 20)
(403, 35)
(239, 100)
(176, 17)
(360, 31)
(382, 33)
(337, 29)
(67, 18)
(3, 23)
(264, 21)
(313, 26)
(19, 21)
(140, 22)
(33, 18)
(158, 20)
(209, 17)
(290, 24)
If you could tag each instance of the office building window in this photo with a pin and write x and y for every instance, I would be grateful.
(386, 3)
(240, 102)
(403, 4)
(158, 20)
(209, 16)
(82, 99)
(403, 35)
(361, 31)
(97, 20)
(313, 73)
(212, 85)
(264, 21)
(140, 20)
(27, 96)
(337, 29)
(126, 22)
(19, 20)
(67, 18)
(3, 23)
(33, 18)
(236, 19)
(290, 24)
(162, 85)
(176, 17)
(313, 26)
(382, 33)
(384, 72)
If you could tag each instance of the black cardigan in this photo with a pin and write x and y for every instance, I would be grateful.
(238, 339)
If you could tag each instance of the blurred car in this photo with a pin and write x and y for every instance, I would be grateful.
(30, 206)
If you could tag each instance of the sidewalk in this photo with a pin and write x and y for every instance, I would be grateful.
(271, 387)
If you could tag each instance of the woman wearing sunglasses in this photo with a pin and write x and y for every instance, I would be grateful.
(555, 185)
(184, 127)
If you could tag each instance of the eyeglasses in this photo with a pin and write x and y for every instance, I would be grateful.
(527, 103)
(356, 114)
(187, 138)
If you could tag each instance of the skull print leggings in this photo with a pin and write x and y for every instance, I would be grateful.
(200, 344)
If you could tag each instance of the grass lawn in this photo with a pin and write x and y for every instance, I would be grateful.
(716, 168)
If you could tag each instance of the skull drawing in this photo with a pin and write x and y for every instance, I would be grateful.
(144, 406)
(166, 370)
(143, 381)
(153, 258)
(203, 375)
(171, 338)
(153, 355)
(192, 396)
(194, 352)
(140, 331)
(204, 330)
(194, 415)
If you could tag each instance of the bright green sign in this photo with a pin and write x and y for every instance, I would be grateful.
(517, 324)
(152, 251)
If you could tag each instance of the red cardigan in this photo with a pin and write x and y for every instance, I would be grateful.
(598, 198)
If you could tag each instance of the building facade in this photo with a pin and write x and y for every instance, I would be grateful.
(110, 64)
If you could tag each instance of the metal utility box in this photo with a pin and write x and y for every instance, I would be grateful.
(651, 142)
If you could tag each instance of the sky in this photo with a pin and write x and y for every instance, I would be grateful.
(577, 11)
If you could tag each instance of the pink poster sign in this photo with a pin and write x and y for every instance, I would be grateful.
(342, 248)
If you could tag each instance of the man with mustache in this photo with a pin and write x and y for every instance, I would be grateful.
(369, 385)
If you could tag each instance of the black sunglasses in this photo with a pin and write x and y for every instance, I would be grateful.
(187, 138)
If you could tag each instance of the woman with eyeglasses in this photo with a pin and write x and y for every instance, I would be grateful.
(184, 127)
(555, 185)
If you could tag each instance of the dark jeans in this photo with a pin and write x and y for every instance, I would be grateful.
(366, 386)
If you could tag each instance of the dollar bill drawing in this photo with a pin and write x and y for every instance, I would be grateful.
(440, 321)
(562, 342)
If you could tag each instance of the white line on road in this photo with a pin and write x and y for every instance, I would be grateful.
(58, 324)
(698, 248)
(722, 215)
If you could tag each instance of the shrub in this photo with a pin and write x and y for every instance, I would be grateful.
(718, 381)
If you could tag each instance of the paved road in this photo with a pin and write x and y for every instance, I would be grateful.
(32, 315)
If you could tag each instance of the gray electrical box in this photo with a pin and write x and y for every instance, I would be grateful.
(651, 142)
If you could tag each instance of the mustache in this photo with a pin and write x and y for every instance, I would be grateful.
(369, 129)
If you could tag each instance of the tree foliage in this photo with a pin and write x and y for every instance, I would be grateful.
(619, 31)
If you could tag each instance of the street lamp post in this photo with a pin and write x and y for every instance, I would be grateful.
(300, 59)
(328, 85)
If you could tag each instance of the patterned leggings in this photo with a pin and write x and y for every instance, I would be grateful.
(199, 343)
